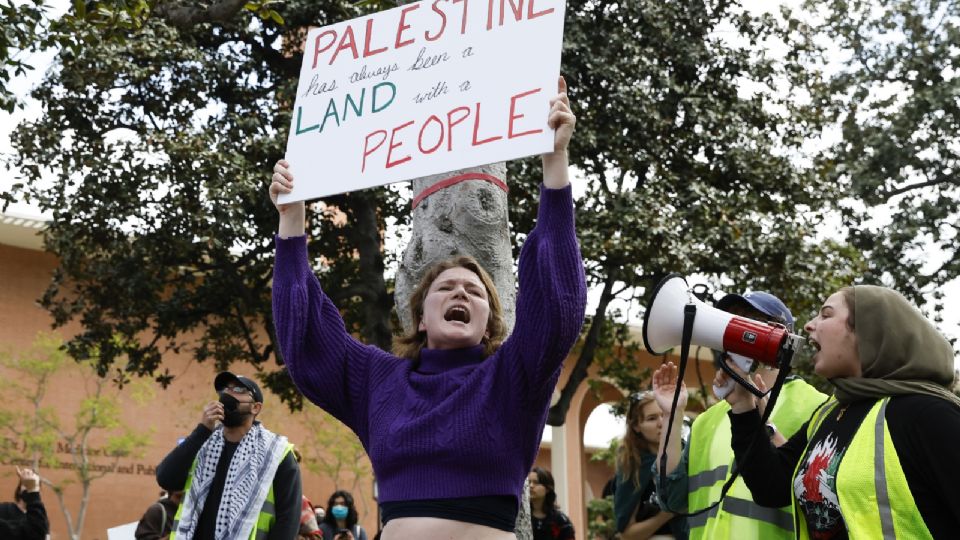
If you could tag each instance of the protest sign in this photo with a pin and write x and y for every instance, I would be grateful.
(423, 89)
(123, 532)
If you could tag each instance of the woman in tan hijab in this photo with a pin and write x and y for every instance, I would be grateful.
(878, 460)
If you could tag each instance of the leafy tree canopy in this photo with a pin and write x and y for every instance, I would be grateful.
(160, 134)
(162, 120)
(895, 89)
(688, 137)
(23, 26)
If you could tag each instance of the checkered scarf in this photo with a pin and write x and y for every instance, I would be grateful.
(249, 479)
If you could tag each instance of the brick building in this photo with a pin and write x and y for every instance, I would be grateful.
(128, 486)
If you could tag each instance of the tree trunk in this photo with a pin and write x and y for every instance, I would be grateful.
(467, 218)
(376, 304)
(558, 412)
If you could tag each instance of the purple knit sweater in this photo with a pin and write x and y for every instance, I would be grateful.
(459, 425)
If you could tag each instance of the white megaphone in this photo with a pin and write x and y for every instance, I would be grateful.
(743, 338)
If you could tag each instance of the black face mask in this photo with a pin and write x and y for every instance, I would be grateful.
(232, 417)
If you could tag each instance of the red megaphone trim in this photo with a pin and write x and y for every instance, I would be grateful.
(754, 339)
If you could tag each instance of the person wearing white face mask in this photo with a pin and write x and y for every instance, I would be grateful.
(340, 521)
(696, 474)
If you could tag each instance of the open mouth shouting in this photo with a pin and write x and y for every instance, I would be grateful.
(455, 310)
(457, 313)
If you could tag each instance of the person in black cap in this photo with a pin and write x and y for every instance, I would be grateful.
(241, 480)
(697, 473)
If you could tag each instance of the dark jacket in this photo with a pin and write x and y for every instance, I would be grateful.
(30, 525)
(157, 521)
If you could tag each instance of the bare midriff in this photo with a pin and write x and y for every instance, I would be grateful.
(429, 528)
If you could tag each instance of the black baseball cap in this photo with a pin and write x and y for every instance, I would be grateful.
(225, 378)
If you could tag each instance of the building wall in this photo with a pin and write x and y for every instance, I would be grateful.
(24, 275)
(168, 414)
(165, 415)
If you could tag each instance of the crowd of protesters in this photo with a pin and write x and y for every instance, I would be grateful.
(452, 418)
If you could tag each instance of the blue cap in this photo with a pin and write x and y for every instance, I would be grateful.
(763, 302)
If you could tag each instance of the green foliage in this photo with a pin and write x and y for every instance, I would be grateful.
(894, 92)
(609, 454)
(114, 18)
(28, 28)
(332, 450)
(601, 522)
(22, 25)
(162, 124)
(688, 142)
(265, 10)
(163, 120)
(36, 432)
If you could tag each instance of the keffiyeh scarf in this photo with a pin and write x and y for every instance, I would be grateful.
(249, 479)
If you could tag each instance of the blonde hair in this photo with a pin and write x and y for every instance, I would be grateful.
(633, 446)
(410, 345)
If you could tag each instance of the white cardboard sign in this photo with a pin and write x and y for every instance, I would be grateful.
(123, 532)
(423, 89)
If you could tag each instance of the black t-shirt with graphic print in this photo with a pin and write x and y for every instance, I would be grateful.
(925, 431)
(815, 485)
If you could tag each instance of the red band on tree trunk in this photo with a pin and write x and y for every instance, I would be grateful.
(456, 180)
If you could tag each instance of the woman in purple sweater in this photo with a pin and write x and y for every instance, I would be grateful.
(453, 423)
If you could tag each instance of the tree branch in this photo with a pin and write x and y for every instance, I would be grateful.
(378, 302)
(558, 412)
(341, 294)
(185, 16)
(252, 346)
(920, 185)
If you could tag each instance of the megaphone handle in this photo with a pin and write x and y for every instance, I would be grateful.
(689, 315)
(740, 380)
(784, 360)
(785, 357)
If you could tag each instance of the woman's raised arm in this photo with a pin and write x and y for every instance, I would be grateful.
(328, 365)
(552, 287)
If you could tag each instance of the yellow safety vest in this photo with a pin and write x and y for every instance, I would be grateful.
(875, 500)
(710, 465)
(265, 519)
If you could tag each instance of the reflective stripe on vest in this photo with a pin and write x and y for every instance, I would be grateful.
(746, 508)
(265, 519)
(710, 460)
(707, 478)
(875, 499)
